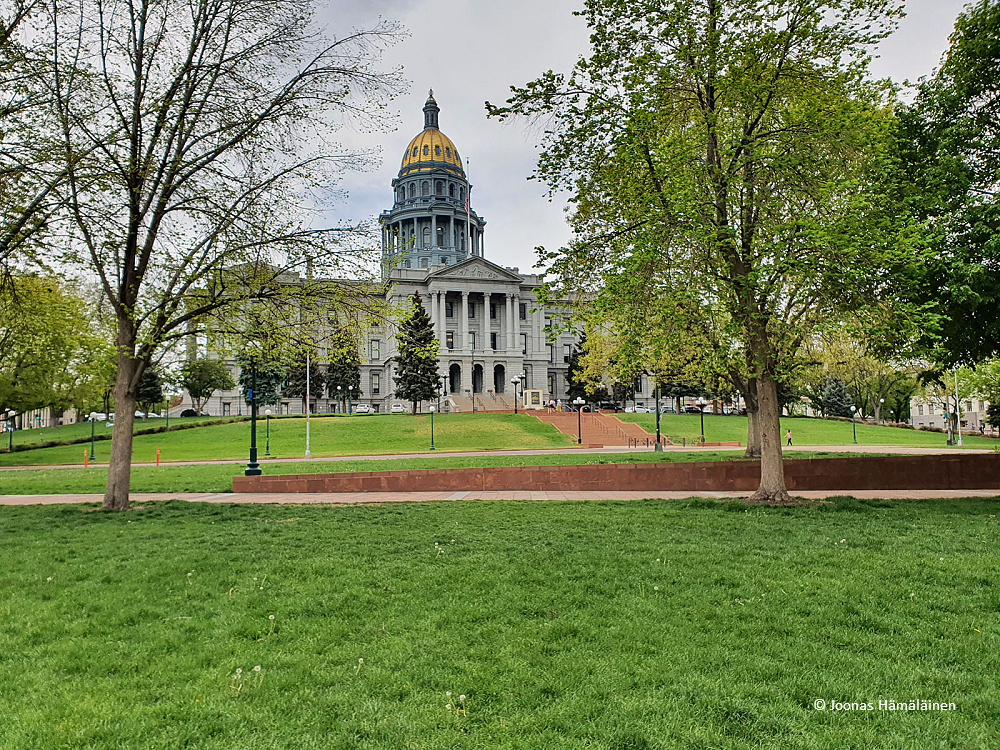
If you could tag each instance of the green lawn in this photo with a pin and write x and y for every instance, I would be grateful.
(614, 626)
(805, 431)
(81, 431)
(329, 436)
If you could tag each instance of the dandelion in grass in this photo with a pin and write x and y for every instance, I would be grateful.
(49, 579)
(357, 669)
(257, 676)
(271, 618)
(656, 588)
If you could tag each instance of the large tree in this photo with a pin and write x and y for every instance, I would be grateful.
(416, 375)
(738, 143)
(295, 380)
(344, 367)
(950, 153)
(196, 143)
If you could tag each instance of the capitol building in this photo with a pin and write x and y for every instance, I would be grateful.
(486, 317)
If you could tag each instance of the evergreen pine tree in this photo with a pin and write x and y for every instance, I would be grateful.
(416, 364)
(345, 366)
(295, 382)
(836, 400)
(269, 377)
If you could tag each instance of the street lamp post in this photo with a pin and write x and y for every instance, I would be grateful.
(516, 380)
(432, 427)
(881, 405)
(350, 397)
(579, 402)
(93, 418)
(9, 416)
(267, 445)
(658, 447)
(253, 468)
(473, 376)
(340, 409)
(854, 424)
(701, 412)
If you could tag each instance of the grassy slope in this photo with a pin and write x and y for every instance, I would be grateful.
(804, 431)
(329, 436)
(81, 430)
(545, 615)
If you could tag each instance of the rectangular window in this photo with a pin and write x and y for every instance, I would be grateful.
(522, 311)
(449, 338)
(447, 309)
(567, 352)
(376, 383)
(920, 410)
(493, 310)
(226, 408)
(524, 343)
(375, 350)
(552, 356)
(472, 339)
(472, 309)
(493, 341)
(968, 406)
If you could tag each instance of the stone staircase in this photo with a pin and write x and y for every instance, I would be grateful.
(484, 402)
(598, 429)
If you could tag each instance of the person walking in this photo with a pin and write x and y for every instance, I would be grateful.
(788, 436)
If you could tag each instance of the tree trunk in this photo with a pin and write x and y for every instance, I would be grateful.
(772, 475)
(753, 420)
(120, 465)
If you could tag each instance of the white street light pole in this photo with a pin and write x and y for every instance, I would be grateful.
(958, 410)
(307, 407)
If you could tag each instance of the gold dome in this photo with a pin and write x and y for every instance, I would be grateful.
(431, 148)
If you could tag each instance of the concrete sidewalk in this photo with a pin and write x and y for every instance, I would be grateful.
(354, 498)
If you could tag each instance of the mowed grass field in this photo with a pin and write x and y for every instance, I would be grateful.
(329, 436)
(401, 433)
(805, 431)
(616, 626)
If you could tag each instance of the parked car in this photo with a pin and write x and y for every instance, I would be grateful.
(398, 409)
(692, 410)
(640, 409)
(608, 405)
(98, 417)
(363, 409)
(189, 413)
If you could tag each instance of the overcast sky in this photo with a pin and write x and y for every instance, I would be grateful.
(471, 51)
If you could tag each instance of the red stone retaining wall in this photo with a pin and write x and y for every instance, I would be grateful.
(958, 472)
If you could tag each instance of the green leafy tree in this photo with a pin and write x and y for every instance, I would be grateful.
(950, 152)
(742, 145)
(416, 375)
(203, 377)
(295, 380)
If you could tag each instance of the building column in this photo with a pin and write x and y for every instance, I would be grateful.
(442, 321)
(516, 318)
(464, 319)
(508, 299)
(434, 231)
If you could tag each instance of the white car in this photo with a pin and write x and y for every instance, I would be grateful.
(639, 409)
(363, 409)
(398, 409)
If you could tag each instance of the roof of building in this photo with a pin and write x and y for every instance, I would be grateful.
(431, 149)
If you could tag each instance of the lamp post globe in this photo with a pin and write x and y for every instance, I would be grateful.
(350, 397)
(578, 403)
(267, 421)
(881, 405)
(854, 423)
(339, 396)
(659, 445)
(93, 418)
(432, 427)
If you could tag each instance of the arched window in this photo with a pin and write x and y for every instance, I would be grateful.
(427, 150)
(427, 236)
(402, 193)
(413, 190)
(447, 151)
(438, 187)
(437, 150)
(440, 237)
(461, 196)
(408, 264)
(423, 262)
(451, 190)
(425, 188)
(414, 150)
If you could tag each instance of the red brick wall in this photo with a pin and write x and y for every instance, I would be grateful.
(958, 472)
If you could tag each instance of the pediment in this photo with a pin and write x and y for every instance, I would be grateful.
(476, 269)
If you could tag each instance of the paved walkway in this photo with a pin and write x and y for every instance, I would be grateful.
(269, 461)
(353, 498)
